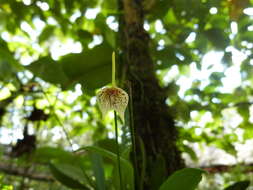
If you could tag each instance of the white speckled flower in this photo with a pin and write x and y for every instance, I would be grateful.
(112, 98)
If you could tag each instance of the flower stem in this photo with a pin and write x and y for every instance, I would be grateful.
(115, 122)
(133, 135)
(113, 69)
(118, 154)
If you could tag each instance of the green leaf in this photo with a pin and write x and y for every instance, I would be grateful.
(47, 154)
(217, 38)
(170, 17)
(247, 36)
(84, 35)
(91, 68)
(227, 59)
(217, 76)
(227, 146)
(109, 6)
(8, 65)
(49, 70)
(192, 8)
(158, 172)
(108, 144)
(126, 167)
(55, 156)
(97, 164)
(248, 131)
(241, 185)
(69, 5)
(110, 37)
(185, 179)
(159, 9)
(167, 56)
(190, 151)
(46, 33)
(69, 175)
(243, 110)
(5, 70)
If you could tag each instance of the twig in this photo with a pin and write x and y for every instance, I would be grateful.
(22, 172)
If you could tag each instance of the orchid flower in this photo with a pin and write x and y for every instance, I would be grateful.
(112, 98)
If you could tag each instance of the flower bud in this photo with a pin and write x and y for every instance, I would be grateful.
(112, 98)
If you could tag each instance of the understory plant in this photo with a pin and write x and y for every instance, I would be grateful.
(106, 167)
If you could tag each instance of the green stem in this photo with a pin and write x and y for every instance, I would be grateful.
(132, 131)
(113, 69)
(118, 154)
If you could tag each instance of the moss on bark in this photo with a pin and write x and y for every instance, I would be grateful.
(152, 120)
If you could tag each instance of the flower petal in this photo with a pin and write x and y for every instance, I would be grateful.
(103, 102)
(113, 98)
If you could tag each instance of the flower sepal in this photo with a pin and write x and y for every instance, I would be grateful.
(112, 98)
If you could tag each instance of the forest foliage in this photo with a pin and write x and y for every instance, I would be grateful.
(54, 57)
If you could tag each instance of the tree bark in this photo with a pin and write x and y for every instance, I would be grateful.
(152, 121)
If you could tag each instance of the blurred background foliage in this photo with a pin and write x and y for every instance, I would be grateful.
(55, 54)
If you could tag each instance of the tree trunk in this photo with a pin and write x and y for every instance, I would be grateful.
(152, 121)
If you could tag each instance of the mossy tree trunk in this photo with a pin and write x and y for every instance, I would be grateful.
(152, 121)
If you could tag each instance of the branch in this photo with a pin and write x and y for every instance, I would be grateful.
(22, 172)
(225, 168)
